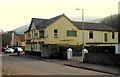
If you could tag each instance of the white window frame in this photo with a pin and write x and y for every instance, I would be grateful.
(56, 33)
(91, 32)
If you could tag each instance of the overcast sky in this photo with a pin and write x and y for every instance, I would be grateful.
(16, 13)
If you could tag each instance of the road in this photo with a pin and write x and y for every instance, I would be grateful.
(16, 65)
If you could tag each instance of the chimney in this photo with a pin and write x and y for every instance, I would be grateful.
(12, 44)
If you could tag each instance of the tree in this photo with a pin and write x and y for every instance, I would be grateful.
(114, 22)
(111, 21)
(6, 38)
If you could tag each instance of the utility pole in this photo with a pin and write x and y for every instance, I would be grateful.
(82, 27)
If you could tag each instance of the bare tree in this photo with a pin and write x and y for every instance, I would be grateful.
(114, 22)
(6, 38)
(111, 21)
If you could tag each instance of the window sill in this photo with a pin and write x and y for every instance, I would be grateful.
(55, 37)
(90, 38)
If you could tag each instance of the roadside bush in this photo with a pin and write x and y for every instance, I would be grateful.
(77, 48)
(63, 49)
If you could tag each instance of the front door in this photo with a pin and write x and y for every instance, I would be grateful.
(105, 37)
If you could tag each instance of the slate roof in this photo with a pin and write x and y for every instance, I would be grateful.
(43, 23)
(37, 21)
(93, 26)
(48, 22)
(21, 37)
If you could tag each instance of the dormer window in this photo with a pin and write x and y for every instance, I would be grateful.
(35, 34)
(29, 35)
(41, 33)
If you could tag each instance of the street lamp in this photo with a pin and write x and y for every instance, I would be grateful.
(82, 26)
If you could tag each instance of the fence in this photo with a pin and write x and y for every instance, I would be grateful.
(77, 56)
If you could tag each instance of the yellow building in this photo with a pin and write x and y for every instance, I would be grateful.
(61, 30)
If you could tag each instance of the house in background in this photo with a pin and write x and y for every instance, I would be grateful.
(60, 30)
(18, 40)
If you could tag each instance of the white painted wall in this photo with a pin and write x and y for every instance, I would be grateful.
(117, 49)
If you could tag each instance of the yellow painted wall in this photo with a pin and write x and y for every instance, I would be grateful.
(62, 25)
(28, 47)
(23, 43)
(98, 36)
(32, 26)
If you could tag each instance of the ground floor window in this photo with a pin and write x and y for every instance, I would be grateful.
(33, 46)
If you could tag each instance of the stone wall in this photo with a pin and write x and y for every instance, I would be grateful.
(77, 58)
(63, 55)
(103, 58)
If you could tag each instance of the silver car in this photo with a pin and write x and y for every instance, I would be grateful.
(9, 50)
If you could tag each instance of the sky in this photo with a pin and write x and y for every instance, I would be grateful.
(16, 13)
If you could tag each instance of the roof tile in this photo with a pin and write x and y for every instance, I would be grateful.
(42, 23)
(21, 37)
(93, 26)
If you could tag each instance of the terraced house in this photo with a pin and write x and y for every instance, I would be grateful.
(61, 30)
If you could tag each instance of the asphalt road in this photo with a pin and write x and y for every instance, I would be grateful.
(15, 65)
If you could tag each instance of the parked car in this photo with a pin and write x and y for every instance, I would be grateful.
(9, 50)
(18, 49)
(3, 48)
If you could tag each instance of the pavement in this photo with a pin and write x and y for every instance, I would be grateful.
(88, 66)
